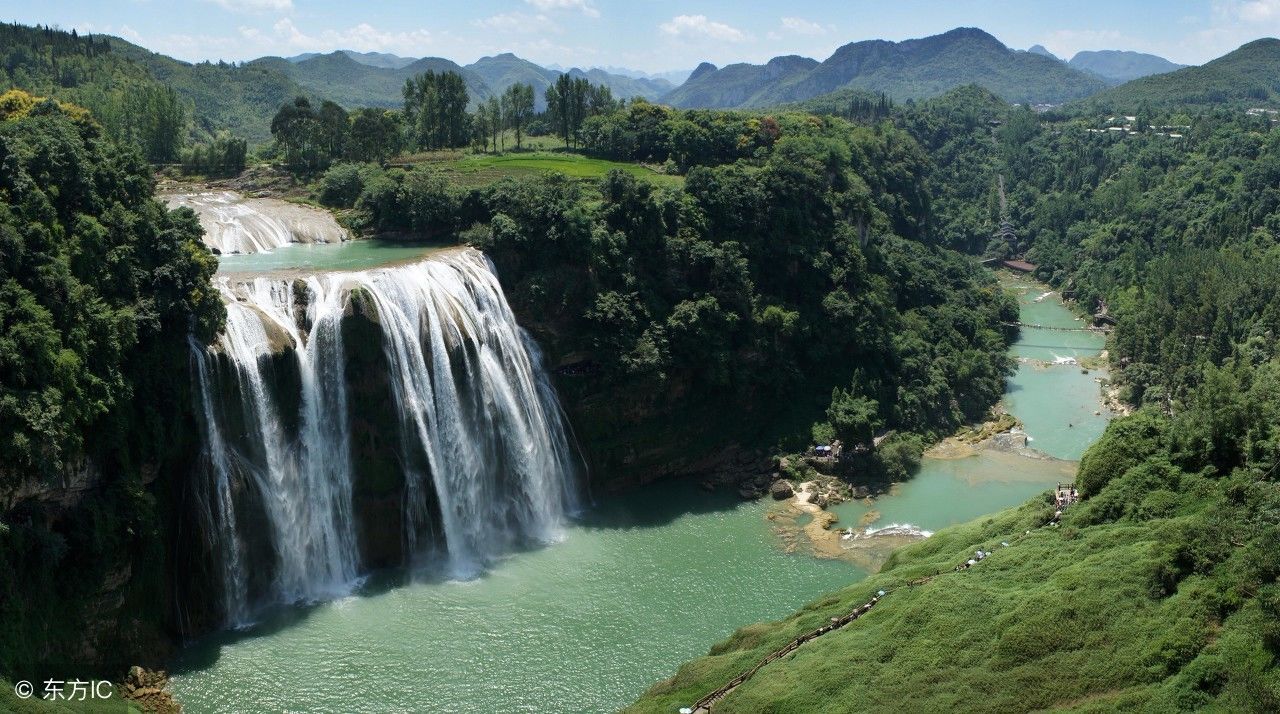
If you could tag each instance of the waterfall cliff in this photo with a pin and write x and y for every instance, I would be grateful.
(356, 419)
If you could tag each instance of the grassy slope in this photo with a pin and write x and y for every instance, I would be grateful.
(1061, 619)
(480, 169)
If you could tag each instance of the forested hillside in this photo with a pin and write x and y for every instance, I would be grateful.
(1243, 78)
(141, 96)
(99, 285)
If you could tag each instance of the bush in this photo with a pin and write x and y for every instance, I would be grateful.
(342, 184)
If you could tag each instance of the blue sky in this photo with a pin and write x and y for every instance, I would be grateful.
(651, 35)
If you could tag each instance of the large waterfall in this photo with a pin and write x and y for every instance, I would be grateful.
(235, 224)
(311, 431)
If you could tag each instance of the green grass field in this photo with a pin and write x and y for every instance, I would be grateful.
(479, 169)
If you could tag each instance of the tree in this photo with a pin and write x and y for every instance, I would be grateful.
(854, 418)
(375, 135)
(297, 130)
(334, 126)
(225, 156)
(480, 124)
(497, 122)
(567, 105)
(517, 107)
(435, 108)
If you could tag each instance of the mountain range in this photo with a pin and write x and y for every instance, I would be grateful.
(242, 98)
(912, 69)
(1113, 66)
(375, 79)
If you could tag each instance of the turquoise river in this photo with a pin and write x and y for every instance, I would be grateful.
(636, 586)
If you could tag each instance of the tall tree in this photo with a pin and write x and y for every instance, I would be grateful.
(568, 105)
(496, 119)
(518, 107)
(334, 126)
(435, 106)
(375, 135)
(296, 128)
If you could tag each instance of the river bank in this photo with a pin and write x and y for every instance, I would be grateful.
(1054, 408)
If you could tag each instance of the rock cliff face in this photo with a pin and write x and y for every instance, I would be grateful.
(96, 538)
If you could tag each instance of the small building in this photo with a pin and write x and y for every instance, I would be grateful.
(1021, 266)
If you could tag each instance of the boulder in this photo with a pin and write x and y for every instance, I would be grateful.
(781, 490)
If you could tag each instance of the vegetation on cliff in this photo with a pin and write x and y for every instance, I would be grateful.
(99, 285)
(791, 263)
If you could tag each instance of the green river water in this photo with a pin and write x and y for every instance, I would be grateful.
(636, 586)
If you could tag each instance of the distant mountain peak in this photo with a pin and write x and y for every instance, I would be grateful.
(1117, 66)
(701, 69)
(974, 33)
(1043, 52)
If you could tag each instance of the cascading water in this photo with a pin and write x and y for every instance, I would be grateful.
(235, 224)
(483, 448)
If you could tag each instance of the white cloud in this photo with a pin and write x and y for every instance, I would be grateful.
(255, 5)
(582, 6)
(700, 26)
(362, 38)
(1257, 10)
(801, 26)
(519, 23)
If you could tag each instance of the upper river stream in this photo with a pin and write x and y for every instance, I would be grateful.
(637, 585)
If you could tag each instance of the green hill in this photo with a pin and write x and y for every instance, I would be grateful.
(340, 78)
(238, 98)
(1119, 66)
(624, 87)
(1246, 77)
(912, 69)
(373, 59)
(502, 71)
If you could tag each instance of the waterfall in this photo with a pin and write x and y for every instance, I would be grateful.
(481, 443)
(235, 224)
